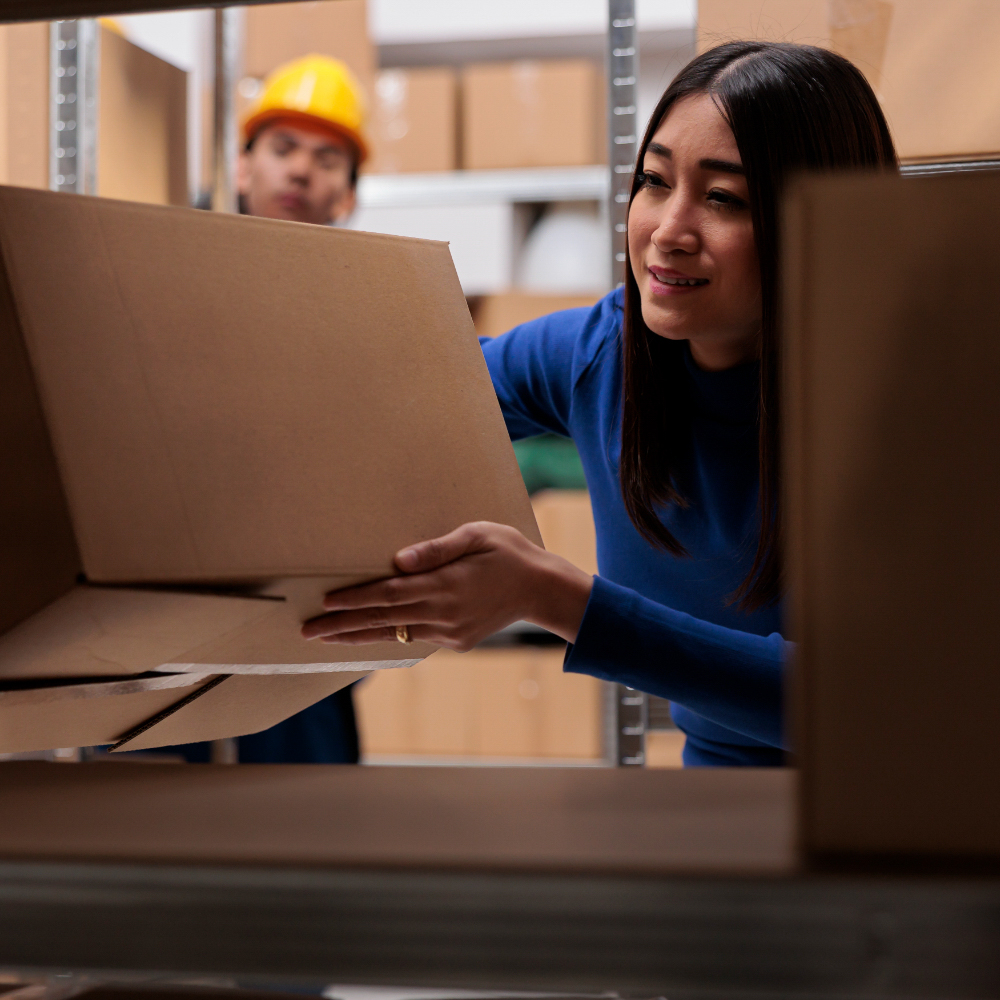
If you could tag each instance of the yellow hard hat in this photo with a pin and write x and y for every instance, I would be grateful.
(315, 90)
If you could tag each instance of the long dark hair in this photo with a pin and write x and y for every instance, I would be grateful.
(790, 107)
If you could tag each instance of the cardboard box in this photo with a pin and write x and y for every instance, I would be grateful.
(278, 33)
(414, 124)
(24, 105)
(531, 114)
(212, 421)
(142, 116)
(566, 522)
(933, 65)
(496, 314)
(495, 703)
(893, 454)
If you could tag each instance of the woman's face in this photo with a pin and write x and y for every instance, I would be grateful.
(690, 238)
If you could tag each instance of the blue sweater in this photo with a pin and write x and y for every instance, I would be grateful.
(656, 622)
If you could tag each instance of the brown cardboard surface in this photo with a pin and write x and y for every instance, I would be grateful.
(142, 148)
(242, 705)
(199, 443)
(931, 64)
(532, 113)
(276, 33)
(414, 124)
(508, 819)
(893, 475)
(38, 554)
(496, 314)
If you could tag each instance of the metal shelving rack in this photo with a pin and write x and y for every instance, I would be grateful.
(698, 932)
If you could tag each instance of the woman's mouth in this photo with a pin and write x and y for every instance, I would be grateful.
(663, 282)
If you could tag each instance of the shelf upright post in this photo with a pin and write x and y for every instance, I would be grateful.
(225, 150)
(224, 138)
(74, 55)
(628, 709)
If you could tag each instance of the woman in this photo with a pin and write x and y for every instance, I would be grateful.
(669, 387)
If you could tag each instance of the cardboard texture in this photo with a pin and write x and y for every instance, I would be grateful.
(933, 65)
(532, 113)
(277, 33)
(142, 148)
(893, 455)
(414, 124)
(219, 419)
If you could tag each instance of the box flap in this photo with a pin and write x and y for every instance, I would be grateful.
(241, 399)
(240, 706)
(97, 631)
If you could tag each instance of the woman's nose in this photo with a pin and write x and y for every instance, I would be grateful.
(677, 227)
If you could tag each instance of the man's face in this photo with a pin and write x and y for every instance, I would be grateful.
(298, 174)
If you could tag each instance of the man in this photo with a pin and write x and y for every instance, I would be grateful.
(303, 145)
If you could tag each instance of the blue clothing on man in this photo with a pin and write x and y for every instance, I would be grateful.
(657, 622)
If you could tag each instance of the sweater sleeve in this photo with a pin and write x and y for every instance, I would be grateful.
(730, 677)
(534, 368)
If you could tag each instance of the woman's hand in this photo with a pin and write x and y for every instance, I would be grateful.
(459, 589)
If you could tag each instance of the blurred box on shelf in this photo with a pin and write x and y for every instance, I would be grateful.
(171, 517)
(484, 237)
(142, 117)
(277, 33)
(142, 122)
(495, 703)
(414, 121)
(566, 522)
(496, 314)
(933, 65)
(24, 96)
(532, 113)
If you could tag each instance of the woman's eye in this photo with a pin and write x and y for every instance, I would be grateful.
(726, 200)
(649, 180)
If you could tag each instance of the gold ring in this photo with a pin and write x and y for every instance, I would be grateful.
(403, 633)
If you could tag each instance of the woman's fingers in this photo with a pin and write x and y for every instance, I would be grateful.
(382, 594)
(418, 633)
(437, 552)
(366, 619)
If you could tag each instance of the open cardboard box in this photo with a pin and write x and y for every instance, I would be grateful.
(211, 421)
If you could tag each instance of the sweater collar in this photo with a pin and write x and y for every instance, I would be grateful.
(731, 395)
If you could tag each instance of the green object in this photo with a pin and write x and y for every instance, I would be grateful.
(549, 462)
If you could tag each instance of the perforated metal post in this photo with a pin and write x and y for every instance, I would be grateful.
(629, 708)
(73, 69)
(623, 121)
(225, 143)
